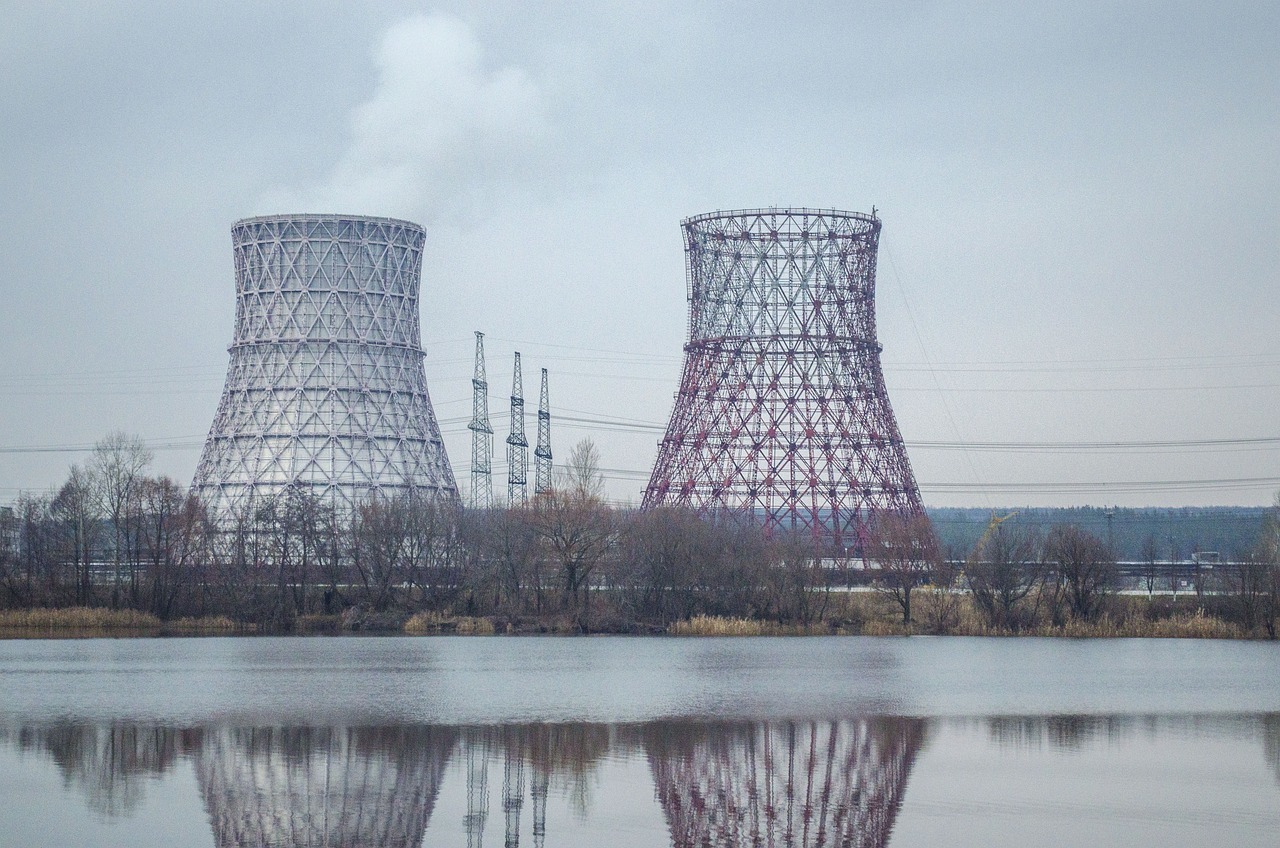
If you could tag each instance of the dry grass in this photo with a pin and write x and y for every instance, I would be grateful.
(869, 614)
(90, 620)
(1181, 626)
(207, 624)
(434, 622)
(715, 625)
(79, 618)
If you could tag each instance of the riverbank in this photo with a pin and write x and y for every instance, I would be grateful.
(89, 622)
(861, 614)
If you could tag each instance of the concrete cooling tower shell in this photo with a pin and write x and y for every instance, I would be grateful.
(325, 390)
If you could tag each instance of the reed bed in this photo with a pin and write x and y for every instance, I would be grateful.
(715, 625)
(207, 624)
(434, 622)
(943, 614)
(79, 618)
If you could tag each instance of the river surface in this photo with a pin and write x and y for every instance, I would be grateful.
(513, 741)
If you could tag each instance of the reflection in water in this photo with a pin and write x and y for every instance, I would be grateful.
(1066, 732)
(1077, 732)
(785, 783)
(532, 757)
(110, 764)
(718, 784)
(340, 787)
(1271, 741)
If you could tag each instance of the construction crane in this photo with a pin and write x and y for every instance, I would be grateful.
(992, 526)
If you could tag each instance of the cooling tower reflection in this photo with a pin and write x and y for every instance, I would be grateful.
(783, 783)
(687, 783)
(339, 787)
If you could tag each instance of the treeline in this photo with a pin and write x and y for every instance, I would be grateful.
(1018, 579)
(1174, 533)
(112, 536)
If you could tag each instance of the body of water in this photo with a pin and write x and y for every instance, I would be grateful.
(639, 742)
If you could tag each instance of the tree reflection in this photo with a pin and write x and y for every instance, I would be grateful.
(784, 783)
(110, 764)
(1271, 741)
(1064, 732)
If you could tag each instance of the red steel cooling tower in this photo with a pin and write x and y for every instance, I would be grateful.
(782, 413)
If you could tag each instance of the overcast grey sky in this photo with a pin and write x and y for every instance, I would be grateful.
(1080, 206)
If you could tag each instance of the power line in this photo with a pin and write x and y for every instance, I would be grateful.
(640, 426)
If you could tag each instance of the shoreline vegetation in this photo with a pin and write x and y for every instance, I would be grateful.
(861, 614)
(79, 621)
(116, 552)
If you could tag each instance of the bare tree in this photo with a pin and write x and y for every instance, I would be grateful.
(1150, 556)
(1175, 557)
(1084, 567)
(175, 530)
(1002, 569)
(293, 533)
(505, 559)
(1268, 555)
(576, 526)
(656, 564)
(797, 586)
(76, 506)
(942, 613)
(580, 475)
(905, 554)
(381, 532)
(117, 467)
(17, 590)
(1246, 580)
(239, 570)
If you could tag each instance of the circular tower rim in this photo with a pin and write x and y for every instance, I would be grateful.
(328, 216)
(782, 211)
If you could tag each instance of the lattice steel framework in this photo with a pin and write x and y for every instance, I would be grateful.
(517, 444)
(481, 433)
(326, 388)
(789, 785)
(782, 412)
(542, 453)
(298, 787)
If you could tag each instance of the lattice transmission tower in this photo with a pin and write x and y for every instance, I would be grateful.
(542, 453)
(325, 391)
(782, 413)
(481, 433)
(517, 445)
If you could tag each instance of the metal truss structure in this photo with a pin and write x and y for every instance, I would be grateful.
(297, 787)
(782, 413)
(542, 453)
(790, 785)
(517, 444)
(326, 389)
(481, 434)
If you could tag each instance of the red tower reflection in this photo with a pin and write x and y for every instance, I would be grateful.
(811, 784)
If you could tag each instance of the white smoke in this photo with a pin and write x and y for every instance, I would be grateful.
(439, 133)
